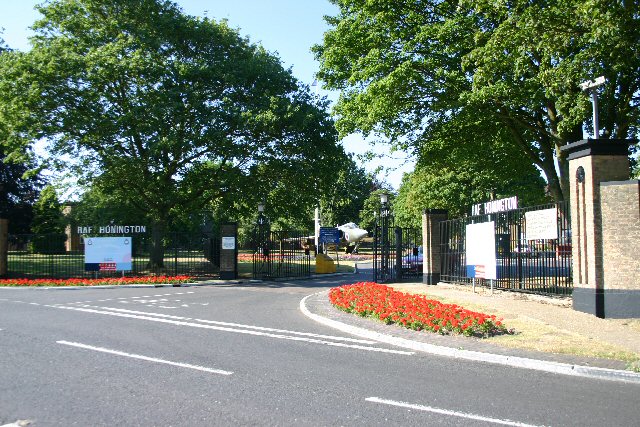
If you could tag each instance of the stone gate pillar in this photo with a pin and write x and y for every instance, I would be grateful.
(4, 247)
(431, 255)
(229, 251)
(591, 163)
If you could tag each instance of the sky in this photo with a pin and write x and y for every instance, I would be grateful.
(286, 27)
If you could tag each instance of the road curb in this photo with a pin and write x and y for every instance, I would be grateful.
(476, 356)
(132, 285)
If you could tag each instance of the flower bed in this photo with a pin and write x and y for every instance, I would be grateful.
(147, 280)
(413, 311)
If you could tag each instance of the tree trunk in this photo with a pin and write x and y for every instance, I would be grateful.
(156, 253)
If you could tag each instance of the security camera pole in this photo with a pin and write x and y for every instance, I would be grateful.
(591, 86)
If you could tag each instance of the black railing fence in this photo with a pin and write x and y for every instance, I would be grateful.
(539, 266)
(46, 256)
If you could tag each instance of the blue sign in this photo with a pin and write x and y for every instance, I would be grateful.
(329, 235)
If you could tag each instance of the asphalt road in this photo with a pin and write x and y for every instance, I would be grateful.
(246, 355)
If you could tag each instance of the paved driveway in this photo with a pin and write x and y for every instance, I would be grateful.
(246, 355)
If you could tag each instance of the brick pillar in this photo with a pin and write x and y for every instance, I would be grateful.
(431, 264)
(591, 162)
(4, 247)
(229, 251)
(620, 203)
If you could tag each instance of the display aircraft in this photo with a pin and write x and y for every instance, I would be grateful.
(352, 235)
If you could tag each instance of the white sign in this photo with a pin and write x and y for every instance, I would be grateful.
(480, 247)
(495, 206)
(112, 229)
(542, 224)
(107, 253)
(229, 243)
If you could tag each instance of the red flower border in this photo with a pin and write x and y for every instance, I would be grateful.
(145, 280)
(417, 312)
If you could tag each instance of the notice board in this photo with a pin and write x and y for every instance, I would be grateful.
(107, 253)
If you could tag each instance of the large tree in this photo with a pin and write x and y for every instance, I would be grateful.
(19, 189)
(165, 110)
(405, 67)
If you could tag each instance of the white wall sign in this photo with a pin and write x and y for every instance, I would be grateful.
(229, 243)
(495, 206)
(541, 224)
(480, 247)
(107, 253)
(112, 229)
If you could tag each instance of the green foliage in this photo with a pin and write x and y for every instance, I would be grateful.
(48, 223)
(47, 213)
(371, 208)
(342, 198)
(18, 192)
(458, 168)
(406, 68)
(170, 113)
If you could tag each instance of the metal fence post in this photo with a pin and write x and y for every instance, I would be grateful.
(398, 237)
(4, 247)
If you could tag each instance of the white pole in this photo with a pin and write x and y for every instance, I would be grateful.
(317, 227)
(596, 127)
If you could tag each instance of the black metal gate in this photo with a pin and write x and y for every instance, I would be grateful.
(280, 254)
(397, 252)
(540, 266)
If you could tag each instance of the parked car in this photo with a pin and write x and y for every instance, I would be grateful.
(524, 250)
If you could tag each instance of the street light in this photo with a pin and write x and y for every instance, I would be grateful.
(261, 244)
(591, 87)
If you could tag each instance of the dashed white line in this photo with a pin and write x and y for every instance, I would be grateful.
(238, 331)
(237, 325)
(447, 412)
(148, 359)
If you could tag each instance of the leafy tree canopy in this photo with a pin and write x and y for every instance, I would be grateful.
(47, 213)
(406, 67)
(19, 190)
(168, 111)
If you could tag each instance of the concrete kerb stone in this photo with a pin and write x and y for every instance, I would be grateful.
(163, 285)
(511, 361)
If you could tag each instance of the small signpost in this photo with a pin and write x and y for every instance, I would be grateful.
(329, 235)
(107, 254)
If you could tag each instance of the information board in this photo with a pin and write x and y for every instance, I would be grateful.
(480, 244)
(228, 243)
(329, 235)
(542, 224)
(107, 253)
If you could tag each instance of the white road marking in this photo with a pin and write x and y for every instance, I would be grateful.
(33, 303)
(148, 359)
(238, 325)
(447, 412)
(238, 331)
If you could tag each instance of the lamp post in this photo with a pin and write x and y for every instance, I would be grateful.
(261, 244)
(591, 88)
